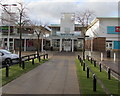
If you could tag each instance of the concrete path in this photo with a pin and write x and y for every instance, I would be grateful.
(57, 76)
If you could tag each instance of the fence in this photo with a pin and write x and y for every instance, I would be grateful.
(95, 78)
(24, 58)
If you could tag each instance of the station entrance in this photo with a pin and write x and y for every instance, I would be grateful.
(67, 45)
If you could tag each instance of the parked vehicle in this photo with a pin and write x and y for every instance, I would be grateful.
(6, 57)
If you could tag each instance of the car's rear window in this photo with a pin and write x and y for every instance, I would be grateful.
(5, 51)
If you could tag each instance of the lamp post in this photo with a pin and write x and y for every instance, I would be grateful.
(9, 13)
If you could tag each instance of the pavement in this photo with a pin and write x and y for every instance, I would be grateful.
(56, 76)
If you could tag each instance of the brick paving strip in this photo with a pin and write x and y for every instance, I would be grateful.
(57, 76)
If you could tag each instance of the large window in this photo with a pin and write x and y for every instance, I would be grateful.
(56, 43)
(109, 45)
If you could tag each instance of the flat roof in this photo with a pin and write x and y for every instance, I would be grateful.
(58, 25)
(107, 17)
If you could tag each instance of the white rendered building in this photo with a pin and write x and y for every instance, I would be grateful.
(107, 27)
(67, 35)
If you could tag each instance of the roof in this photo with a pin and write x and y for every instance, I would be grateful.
(58, 25)
(55, 25)
(97, 19)
(107, 17)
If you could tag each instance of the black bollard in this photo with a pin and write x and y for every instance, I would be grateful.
(80, 59)
(44, 57)
(34, 56)
(91, 60)
(47, 56)
(39, 58)
(28, 58)
(100, 67)
(7, 70)
(23, 65)
(109, 71)
(87, 72)
(81, 62)
(94, 63)
(83, 66)
(87, 57)
(33, 61)
(94, 83)
(78, 56)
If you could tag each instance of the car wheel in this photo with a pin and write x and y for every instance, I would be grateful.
(8, 61)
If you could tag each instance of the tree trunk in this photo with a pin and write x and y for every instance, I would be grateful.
(84, 46)
(83, 43)
(38, 47)
(20, 47)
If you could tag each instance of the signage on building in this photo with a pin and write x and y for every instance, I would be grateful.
(113, 29)
(68, 34)
(117, 29)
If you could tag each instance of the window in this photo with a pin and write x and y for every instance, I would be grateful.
(109, 45)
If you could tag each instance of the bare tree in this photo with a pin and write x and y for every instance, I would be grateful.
(40, 30)
(84, 18)
(22, 19)
(19, 20)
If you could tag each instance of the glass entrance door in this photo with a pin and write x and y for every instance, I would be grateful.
(67, 45)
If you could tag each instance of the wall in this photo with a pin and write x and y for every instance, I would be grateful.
(67, 23)
(104, 24)
(99, 44)
(94, 30)
(105, 27)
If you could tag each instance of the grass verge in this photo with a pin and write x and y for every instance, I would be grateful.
(111, 85)
(86, 84)
(16, 71)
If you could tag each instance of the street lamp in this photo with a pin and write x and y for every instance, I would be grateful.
(5, 5)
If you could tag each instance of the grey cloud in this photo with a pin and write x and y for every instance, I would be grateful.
(51, 11)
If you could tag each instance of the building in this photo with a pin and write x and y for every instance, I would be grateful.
(106, 28)
(29, 38)
(67, 35)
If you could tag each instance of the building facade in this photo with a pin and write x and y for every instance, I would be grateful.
(29, 39)
(108, 28)
(67, 35)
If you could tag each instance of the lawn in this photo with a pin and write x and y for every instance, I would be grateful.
(111, 85)
(16, 71)
(86, 84)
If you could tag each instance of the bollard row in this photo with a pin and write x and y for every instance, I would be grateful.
(83, 64)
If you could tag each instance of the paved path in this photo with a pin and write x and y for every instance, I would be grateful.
(57, 76)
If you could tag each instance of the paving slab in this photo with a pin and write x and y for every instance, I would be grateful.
(57, 76)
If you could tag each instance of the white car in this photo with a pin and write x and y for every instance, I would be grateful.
(6, 57)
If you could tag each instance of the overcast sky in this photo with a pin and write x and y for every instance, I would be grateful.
(50, 10)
